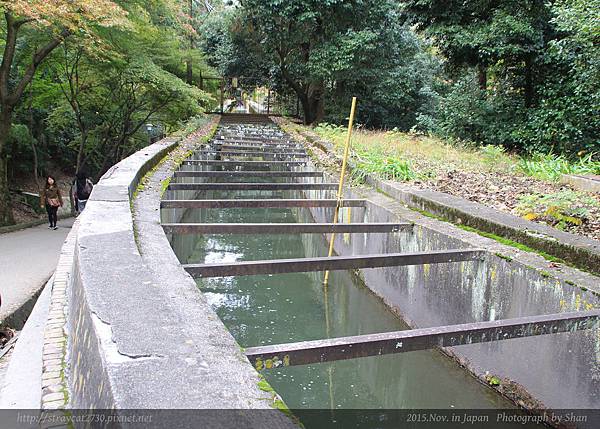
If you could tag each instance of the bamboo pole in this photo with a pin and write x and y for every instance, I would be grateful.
(342, 176)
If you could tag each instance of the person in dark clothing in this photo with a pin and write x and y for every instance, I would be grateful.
(82, 189)
(51, 198)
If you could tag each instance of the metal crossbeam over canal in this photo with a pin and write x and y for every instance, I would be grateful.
(299, 265)
(244, 186)
(307, 352)
(253, 140)
(252, 153)
(283, 228)
(292, 174)
(260, 203)
(275, 148)
(254, 146)
(244, 163)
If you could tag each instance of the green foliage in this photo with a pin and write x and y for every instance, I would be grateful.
(382, 165)
(561, 209)
(90, 100)
(481, 32)
(327, 52)
(109, 96)
(367, 159)
(462, 114)
(265, 386)
(524, 75)
(19, 148)
(492, 380)
(550, 167)
(191, 125)
(492, 154)
(230, 49)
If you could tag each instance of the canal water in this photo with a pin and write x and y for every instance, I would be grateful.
(282, 308)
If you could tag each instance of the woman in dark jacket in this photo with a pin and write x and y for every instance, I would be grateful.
(51, 198)
(82, 189)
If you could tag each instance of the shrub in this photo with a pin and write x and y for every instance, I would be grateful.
(560, 209)
(382, 165)
(550, 167)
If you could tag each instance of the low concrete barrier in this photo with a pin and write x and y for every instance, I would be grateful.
(108, 289)
(584, 183)
(138, 341)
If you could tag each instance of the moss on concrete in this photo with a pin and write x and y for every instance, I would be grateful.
(512, 243)
(497, 238)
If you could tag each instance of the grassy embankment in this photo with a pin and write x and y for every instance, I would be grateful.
(535, 194)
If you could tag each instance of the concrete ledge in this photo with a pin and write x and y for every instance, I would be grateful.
(22, 387)
(105, 282)
(108, 284)
(582, 182)
(580, 251)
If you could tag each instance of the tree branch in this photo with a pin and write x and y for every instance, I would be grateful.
(284, 72)
(38, 57)
(12, 28)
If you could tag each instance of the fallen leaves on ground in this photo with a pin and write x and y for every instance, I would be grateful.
(501, 191)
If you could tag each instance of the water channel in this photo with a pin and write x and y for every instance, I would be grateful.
(273, 309)
(282, 308)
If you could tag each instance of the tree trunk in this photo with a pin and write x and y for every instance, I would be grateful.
(313, 103)
(313, 110)
(311, 97)
(36, 176)
(6, 215)
(305, 108)
(482, 76)
(189, 73)
(81, 150)
(528, 90)
(33, 147)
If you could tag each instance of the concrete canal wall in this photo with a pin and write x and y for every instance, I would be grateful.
(559, 371)
(138, 340)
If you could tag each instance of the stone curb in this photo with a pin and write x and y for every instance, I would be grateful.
(54, 384)
(580, 251)
(581, 182)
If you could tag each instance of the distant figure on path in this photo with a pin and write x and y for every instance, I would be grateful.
(82, 191)
(51, 198)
